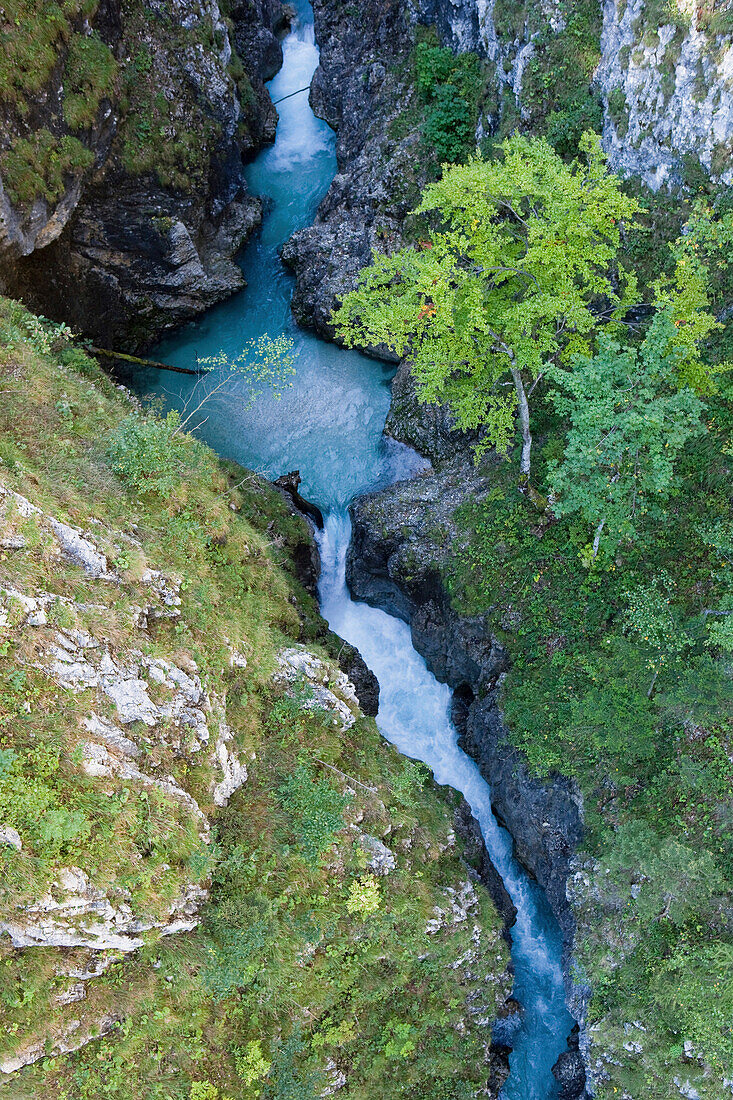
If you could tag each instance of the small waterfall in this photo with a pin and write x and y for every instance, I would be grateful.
(329, 425)
(414, 714)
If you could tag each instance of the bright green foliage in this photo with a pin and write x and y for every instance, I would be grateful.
(708, 242)
(399, 1040)
(265, 363)
(684, 300)
(363, 896)
(204, 1090)
(628, 425)
(251, 1063)
(503, 285)
(143, 452)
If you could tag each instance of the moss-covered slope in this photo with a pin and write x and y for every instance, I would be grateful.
(208, 855)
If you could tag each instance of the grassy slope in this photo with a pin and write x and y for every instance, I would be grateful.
(293, 964)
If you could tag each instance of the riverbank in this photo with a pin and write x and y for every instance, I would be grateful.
(201, 831)
(328, 425)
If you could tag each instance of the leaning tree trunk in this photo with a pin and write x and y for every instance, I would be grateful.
(523, 407)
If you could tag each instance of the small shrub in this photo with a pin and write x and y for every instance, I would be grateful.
(145, 455)
(252, 1066)
(565, 128)
(364, 897)
(450, 86)
(450, 124)
(316, 808)
(618, 108)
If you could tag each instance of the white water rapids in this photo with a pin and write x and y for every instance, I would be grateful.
(329, 425)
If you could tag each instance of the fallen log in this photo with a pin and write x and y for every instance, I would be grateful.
(137, 361)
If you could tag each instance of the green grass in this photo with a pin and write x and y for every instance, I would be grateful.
(89, 77)
(42, 166)
(302, 956)
(32, 34)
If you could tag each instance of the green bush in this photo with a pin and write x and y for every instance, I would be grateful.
(450, 87)
(618, 109)
(316, 808)
(450, 124)
(145, 453)
(566, 127)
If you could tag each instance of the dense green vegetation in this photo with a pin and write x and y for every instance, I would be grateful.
(557, 94)
(446, 94)
(515, 257)
(304, 959)
(450, 87)
(611, 584)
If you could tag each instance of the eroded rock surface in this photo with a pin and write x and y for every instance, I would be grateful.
(130, 248)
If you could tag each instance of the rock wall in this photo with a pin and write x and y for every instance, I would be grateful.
(142, 235)
(665, 77)
(360, 88)
(668, 93)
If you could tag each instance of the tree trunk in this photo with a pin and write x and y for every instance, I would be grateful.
(597, 539)
(523, 407)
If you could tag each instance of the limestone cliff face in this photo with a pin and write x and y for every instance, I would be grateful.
(668, 92)
(137, 230)
(665, 77)
(663, 93)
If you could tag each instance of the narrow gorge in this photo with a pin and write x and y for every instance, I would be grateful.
(390, 247)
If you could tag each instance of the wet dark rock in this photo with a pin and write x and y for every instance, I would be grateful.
(290, 483)
(476, 855)
(399, 539)
(430, 429)
(543, 817)
(506, 1025)
(365, 682)
(257, 26)
(569, 1071)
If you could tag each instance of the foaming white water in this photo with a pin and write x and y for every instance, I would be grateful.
(414, 714)
(300, 135)
(329, 425)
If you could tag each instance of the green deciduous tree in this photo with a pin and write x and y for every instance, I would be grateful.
(518, 254)
(629, 420)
